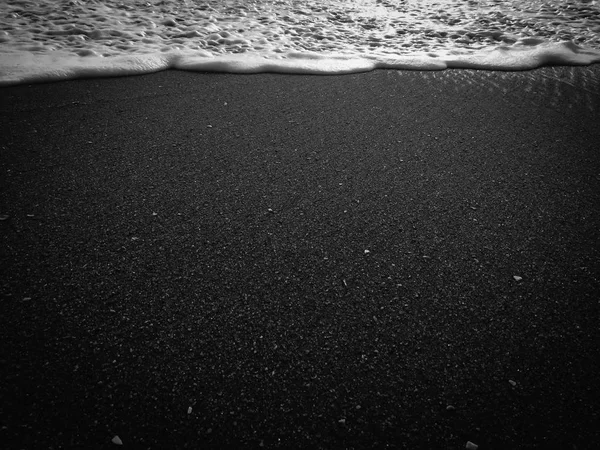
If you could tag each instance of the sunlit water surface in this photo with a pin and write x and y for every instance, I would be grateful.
(57, 39)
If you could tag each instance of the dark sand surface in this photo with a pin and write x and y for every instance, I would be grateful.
(306, 262)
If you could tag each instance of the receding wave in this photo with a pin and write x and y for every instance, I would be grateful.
(56, 40)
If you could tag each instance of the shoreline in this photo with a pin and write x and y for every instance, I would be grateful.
(524, 55)
(381, 259)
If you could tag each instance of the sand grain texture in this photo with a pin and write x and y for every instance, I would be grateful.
(307, 262)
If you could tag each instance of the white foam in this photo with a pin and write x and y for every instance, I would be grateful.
(49, 40)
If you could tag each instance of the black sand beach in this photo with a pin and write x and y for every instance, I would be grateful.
(380, 260)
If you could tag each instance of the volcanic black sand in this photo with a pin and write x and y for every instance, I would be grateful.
(401, 259)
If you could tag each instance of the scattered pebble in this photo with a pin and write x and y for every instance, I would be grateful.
(342, 421)
(517, 277)
(471, 446)
(117, 440)
(512, 383)
(189, 409)
(367, 252)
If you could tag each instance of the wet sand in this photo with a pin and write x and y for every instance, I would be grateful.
(402, 259)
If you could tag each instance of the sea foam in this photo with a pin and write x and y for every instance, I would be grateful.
(48, 40)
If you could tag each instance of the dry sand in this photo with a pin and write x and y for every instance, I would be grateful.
(403, 259)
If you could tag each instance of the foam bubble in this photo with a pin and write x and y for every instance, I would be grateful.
(49, 40)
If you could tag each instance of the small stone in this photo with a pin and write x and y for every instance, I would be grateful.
(517, 277)
(342, 421)
(367, 252)
(471, 446)
(117, 440)
(512, 383)
(189, 409)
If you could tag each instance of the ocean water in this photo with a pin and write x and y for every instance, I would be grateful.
(47, 40)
